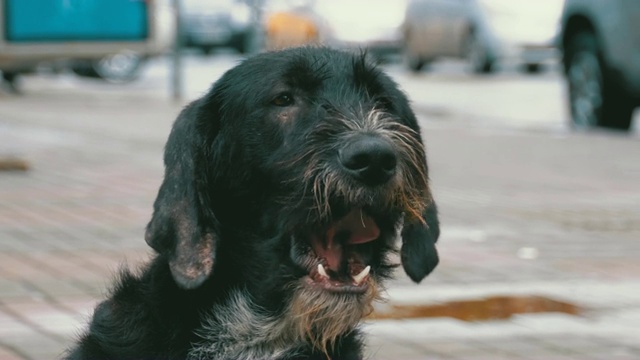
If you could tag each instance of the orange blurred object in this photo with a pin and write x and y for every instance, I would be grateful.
(287, 29)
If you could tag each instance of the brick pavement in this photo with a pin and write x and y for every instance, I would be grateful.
(523, 213)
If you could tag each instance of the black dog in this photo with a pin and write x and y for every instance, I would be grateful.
(285, 190)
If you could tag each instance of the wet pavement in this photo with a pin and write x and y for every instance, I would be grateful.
(528, 209)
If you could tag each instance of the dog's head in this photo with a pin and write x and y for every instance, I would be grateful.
(297, 170)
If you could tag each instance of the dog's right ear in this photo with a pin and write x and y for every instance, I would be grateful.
(183, 227)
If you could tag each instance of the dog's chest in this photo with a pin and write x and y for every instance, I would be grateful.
(237, 330)
(242, 351)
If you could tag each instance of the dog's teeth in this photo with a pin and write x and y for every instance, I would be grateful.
(358, 278)
(322, 272)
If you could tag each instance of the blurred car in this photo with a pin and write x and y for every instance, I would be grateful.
(209, 24)
(290, 23)
(484, 32)
(600, 41)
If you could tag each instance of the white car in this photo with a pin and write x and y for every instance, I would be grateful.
(485, 32)
(601, 47)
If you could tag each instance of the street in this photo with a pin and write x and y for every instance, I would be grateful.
(528, 208)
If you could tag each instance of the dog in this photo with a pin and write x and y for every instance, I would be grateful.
(289, 188)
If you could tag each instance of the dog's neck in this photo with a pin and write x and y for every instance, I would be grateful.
(239, 329)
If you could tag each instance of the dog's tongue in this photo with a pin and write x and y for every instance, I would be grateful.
(360, 229)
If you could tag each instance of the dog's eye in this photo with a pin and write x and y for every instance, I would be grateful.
(285, 99)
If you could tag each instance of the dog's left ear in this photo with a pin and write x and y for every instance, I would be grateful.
(418, 253)
(183, 228)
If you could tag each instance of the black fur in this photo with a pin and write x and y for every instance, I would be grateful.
(238, 192)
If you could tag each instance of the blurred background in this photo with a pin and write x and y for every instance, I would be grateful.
(528, 109)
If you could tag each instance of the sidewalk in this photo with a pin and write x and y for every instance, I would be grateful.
(522, 214)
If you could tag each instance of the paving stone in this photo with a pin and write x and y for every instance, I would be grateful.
(7, 353)
(10, 325)
(385, 349)
(12, 289)
(43, 316)
(34, 346)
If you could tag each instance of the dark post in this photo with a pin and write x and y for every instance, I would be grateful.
(176, 70)
(257, 37)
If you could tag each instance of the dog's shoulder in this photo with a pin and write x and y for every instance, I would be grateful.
(140, 319)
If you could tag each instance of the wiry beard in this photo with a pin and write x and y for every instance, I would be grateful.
(320, 317)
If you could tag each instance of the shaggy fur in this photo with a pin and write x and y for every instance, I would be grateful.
(287, 182)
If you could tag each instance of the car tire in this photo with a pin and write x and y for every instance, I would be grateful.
(11, 79)
(119, 68)
(532, 68)
(207, 50)
(477, 55)
(241, 42)
(84, 68)
(414, 62)
(240, 48)
(595, 98)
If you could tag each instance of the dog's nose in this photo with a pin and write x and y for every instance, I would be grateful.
(369, 159)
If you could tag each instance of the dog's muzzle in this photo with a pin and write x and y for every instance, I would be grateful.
(336, 257)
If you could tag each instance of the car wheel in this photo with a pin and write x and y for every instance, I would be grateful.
(121, 67)
(594, 97)
(241, 48)
(414, 62)
(242, 42)
(207, 50)
(532, 68)
(11, 79)
(478, 56)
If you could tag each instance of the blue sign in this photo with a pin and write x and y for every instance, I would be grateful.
(75, 20)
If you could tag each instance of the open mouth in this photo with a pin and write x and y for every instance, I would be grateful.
(337, 256)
